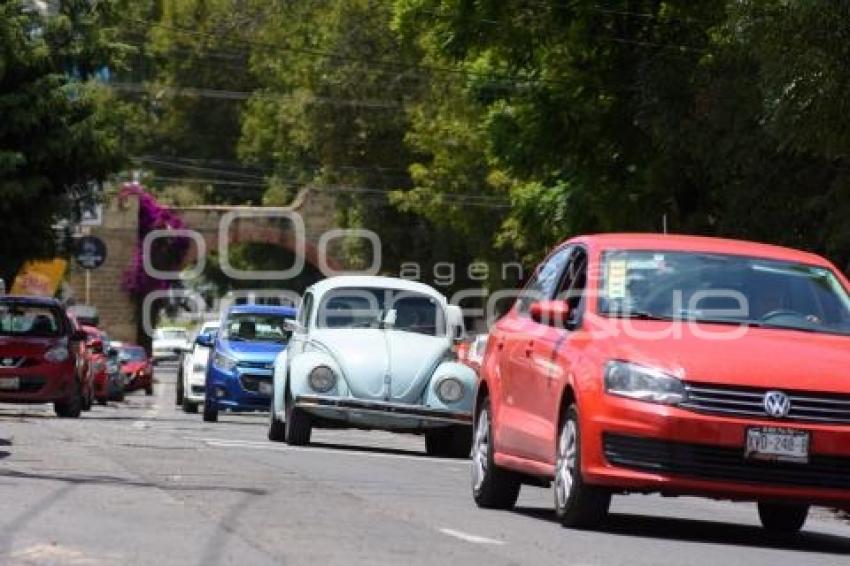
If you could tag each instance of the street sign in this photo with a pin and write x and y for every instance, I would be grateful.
(90, 252)
(91, 214)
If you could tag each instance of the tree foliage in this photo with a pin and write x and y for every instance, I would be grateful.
(58, 133)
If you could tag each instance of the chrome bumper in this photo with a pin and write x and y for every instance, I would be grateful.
(399, 410)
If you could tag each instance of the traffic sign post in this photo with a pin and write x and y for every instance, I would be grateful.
(90, 253)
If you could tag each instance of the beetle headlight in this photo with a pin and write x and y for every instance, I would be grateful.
(450, 390)
(224, 363)
(643, 383)
(322, 379)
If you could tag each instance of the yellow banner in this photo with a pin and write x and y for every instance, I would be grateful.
(40, 278)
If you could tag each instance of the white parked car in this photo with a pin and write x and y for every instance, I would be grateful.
(169, 343)
(192, 374)
(374, 353)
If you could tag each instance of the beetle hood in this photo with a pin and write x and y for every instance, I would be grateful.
(367, 356)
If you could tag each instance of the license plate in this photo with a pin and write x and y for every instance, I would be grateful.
(10, 383)
(777, 444)
(265, 388)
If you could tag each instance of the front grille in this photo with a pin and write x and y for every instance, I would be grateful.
(252, 382)
(749, 402)
(257, 365)
(198, 390)
(12, 361)
(703, 461)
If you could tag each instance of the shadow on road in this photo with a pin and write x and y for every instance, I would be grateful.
(712, 532)
(124, 482)
(369, 449)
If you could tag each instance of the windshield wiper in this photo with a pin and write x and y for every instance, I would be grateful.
(641, 315)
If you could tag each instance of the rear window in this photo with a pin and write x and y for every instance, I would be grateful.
(21, 319)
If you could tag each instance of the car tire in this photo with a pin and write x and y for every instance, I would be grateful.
(783, 518)
(210, 413)
(70, 408)
(102, 401)
(449, 442)
(492, 487)
(577, 504)
(277, 428)
(149, 390)
(178, 390)
(188, 406)
(87, 400)
(118, 397)
(298, 425)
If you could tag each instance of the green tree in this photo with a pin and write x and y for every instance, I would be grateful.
(58, 132)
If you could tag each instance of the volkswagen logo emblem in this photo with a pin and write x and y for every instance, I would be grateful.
(777, 404)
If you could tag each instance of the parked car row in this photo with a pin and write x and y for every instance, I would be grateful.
(47, 356)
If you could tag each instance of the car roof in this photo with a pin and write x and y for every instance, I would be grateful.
(373, 281)
(679, 242)
(31, 300)
(172, 329)
(263, 309)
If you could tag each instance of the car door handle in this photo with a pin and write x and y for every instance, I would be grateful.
(500, 345)
(529, 349)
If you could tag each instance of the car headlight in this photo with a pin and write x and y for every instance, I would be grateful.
(450, 390)
(222, 362)
(322, 379)
(643, 383)
(56, 355)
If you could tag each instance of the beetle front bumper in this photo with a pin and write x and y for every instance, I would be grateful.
(344, 407)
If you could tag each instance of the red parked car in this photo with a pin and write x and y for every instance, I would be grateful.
(670, 364)
(136, 367)
(97, 363)
(40, 357)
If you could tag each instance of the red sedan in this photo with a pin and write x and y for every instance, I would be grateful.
(40, 358)
(670, 364)
(97, 363)
(136, 367)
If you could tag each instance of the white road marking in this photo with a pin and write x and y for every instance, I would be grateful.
(269, 446)
(474, 539)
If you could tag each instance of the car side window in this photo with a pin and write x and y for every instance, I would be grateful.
(545, 280)
(573, 283)
(306, 310)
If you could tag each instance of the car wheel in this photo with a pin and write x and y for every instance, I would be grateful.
(149, 390)
(277, 428)
(210, 413)
(577, 504)
(782, 518)
(298, 425)
(189, 406)
(70, 408)
(119, 396)
(178, 391)
(492, 486)
(449, 442)
(87, 400)
(102, 401)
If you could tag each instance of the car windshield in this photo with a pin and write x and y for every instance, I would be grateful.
(172, 334)
(257, 327)
(723, 289)
(20, 319)
(131, 355)
(367, 308)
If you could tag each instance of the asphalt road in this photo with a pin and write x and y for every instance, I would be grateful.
(142, 483)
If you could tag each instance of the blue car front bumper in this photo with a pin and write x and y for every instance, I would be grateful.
(239, 390)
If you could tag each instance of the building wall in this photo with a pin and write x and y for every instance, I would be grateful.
(119, 231)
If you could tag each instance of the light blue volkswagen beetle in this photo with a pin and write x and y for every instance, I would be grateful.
(374, 353)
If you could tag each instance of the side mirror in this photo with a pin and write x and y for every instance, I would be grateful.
(79, 336)
(551, 313)
(454, 322)
(389, 318)
(112, 353)
(293, 326)
(96, 346)
(205, 340)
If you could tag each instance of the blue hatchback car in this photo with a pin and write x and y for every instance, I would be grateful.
(239, 374)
